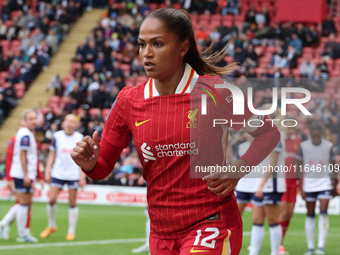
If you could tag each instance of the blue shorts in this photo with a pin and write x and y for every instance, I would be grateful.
(19, 186)
(273, 198)
(313, 196)
(246, 197)
(60, 183)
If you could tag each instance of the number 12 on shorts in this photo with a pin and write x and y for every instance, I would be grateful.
(208, 238)
(215, 240)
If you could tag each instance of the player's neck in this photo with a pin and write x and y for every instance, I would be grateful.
(168, 86)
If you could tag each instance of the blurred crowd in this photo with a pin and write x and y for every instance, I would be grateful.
(107, 60)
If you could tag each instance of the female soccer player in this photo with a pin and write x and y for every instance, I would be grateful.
(271, 189)
(188, 215)
(61, 170)
(316, 155)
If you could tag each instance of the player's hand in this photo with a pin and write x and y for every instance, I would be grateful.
(303, 194)
(86, 153)
(27, 181)
(42, 183)
(259, 192)
(10, 185)
(82, 182)
(221, 183)
(48, 177)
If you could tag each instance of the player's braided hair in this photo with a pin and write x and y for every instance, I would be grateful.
(179, 22)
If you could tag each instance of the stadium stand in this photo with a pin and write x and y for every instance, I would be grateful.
(298, 54)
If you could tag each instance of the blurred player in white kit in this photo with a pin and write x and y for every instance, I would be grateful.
(316, 154)
(61, 169)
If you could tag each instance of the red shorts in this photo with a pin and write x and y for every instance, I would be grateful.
(203, 240)
(290, 195)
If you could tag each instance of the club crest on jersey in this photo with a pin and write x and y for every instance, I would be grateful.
(192, 118)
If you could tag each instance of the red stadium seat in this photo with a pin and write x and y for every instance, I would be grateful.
(227, 23)
(229, 59)
(307, 50)
(177, 5)
(153, 6)
(205, 17)
(126, 68)
(296, 72)
(93, 112)
(334, 73)
(141, 79)
(5, 43)
(119, 56)
(105, 113)
(194, 17)
(217, 16)
(87, 66)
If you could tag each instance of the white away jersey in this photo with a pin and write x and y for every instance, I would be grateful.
(316, 157)
(64, 167)
(24, 140)
(277, 181)
(249, 183)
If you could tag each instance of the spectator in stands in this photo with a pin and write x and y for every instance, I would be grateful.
(91, 53)
(277, 80)
(331, 49)
(65, 21)
(312, 38)
(263, 17)
(115, 42)
(240, 54)
(101, 98)
(136, 67)
(296, 42)
(44, 26)
(250, 15)
(11, 31)
(95, 83)
(317, 82)
(328, 26)
(307, 68)
(3, 66)
(109, 81)
(5, 10)
(50, 117)
(30, 19)
(232, 7)
(37, 37)
(215, 35)
(279, 58)
(323, 68)
(43, 53)
(251, 57)
(99, 63)
(317, 105)
(77, 95)
(118, 75)
(9, 99)
(14, 71)
(30, 50)
(3, 30)
(292, 57)
(113, 94)
(52, 41)
(82, 49)
(301, 32)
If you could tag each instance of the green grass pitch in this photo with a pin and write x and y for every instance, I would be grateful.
(121, 222)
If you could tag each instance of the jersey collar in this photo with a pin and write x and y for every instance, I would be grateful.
(186, 84)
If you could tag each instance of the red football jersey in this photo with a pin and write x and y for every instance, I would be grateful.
(9, 156)
(292, 147)
(162, 129)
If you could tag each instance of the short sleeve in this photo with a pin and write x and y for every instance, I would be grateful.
(25, 143)
(53, 144)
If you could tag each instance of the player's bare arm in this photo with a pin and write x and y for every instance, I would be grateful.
(273, 158)
(299, 175)
(49, 164)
